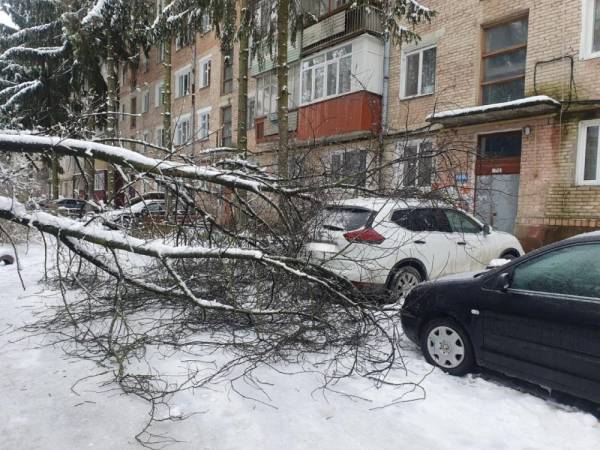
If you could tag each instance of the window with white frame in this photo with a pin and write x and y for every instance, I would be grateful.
(204, 123)
(146, 102)
(349, 167)
(183, 39)
(327, 74)
(588, 153)
(161, 49)
(590, 35)
(159, 94)
(251, 113)
(100, 180)
(417, 163)
(184, 82)
(266, 91)
(205, 67)
(418, 73)
(183, 130)
(159, 136)
(266, 94)
(205, 26)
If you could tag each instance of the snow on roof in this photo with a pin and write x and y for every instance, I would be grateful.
(527, 101)
(380, 202)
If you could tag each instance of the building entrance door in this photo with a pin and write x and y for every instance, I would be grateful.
(497, 179)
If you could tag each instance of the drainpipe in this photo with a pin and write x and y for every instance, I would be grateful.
(384, 107)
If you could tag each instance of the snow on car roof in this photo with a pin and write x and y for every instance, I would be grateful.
(376, 203)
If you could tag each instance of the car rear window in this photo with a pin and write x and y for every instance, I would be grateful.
(345, 218)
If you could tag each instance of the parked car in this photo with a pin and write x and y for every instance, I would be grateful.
(147, 211)
(70, 206)
(393, 245)
(536, 318)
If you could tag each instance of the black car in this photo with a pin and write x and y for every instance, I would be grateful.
(536, 318)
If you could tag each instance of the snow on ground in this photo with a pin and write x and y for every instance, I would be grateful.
(40, 411)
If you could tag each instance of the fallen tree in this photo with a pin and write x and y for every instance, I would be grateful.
(198, 286)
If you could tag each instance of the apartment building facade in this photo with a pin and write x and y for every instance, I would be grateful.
(511, 90)
(497, 106)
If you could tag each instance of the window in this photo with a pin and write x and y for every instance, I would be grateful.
(419, 72)
(349, 167)
(228, 73)
(160, 6)
(504, 53)
(588, 153)
(327, 75)
(422, 220)
(205, 66)
(205, 26)
(266, 94)
(328, 6)
(568, 271)
(418, 164)
(160, 137)
(204, 123)
(183, 40)
(461, 223)
(346, 218)
(251, 113)
(183, 130)
(133, 117)
(145, 137)
(145, 63)
(501, 145)
(123, 111)
(263, 16)
(146, 102)
(159, 94)
(590, 30)
(184, 82)
(100, 181)
(161, 52)
(226, 130)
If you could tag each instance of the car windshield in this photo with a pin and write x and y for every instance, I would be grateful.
(344, 218)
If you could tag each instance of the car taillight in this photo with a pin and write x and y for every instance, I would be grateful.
(364, 236)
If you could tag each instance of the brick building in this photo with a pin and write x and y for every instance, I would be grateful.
(513, 88)
(504, 95)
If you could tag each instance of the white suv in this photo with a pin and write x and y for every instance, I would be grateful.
(396, 244)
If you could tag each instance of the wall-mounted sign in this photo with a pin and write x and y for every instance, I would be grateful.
(462, 178)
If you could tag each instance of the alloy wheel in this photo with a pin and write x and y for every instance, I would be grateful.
(405, 281)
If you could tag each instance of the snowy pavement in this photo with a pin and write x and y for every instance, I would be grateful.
(39, 410)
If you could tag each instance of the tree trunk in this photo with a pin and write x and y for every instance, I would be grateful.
(168, 143)
(282, 86)
(242, 126)
(167, 127)
(55, 178)
(112, 130)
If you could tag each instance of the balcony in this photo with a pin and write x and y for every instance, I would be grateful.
(341, 26)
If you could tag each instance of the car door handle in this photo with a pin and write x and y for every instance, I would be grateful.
(420, 242)
(461, 243)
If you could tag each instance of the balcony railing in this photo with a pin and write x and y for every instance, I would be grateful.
(342, 25)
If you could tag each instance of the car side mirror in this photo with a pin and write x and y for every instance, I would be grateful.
(503, 282)
(487, 229)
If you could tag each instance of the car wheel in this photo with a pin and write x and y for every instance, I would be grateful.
(403, 281)
(447, 346)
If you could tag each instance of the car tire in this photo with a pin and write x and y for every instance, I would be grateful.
(402, 281)
(446, 345)
(510, 255)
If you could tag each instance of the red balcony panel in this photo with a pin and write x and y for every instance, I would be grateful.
(358, 111)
